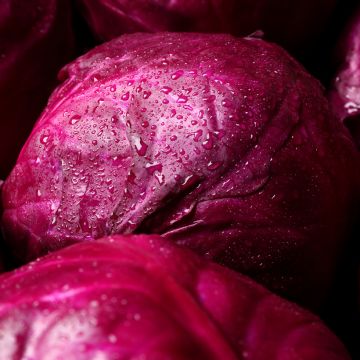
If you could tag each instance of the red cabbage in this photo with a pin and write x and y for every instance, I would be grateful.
(142, 298)
(35, 41)
(345, 96)
(225, 145)
(294, 24)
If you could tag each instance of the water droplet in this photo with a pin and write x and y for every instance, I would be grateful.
(145, 124)
(189, 181)
(114, 119)
(182, 99)
(219, 133)
(44, 139)
(113, 88)
(172, 113)
(167, 149)
(173, 137)
(189, 90)
(160, 178)
(208, 143)
(152, 167)
(208, 73)
(146, 94)
(166, 90)
(140, 146)
(226, 103)
(131, 177)
(74, 119)
(177, 74)
(125, 96)
(214, 165)
(197, 135)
